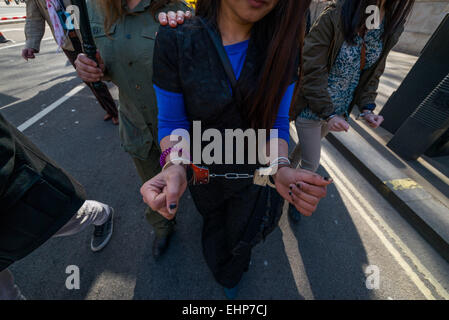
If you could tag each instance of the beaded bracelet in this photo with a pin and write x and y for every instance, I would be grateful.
(166, 153)
(163, 158)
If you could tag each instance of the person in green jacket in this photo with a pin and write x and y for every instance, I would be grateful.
(344, 57)
(125, 33)
(39, 200)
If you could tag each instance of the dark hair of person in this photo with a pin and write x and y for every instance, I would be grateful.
(113, 10)
(354, 16)
(279, 34)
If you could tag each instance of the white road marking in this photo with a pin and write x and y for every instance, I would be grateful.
(294, 257)
(50, 108)
(23, 43)
(375, 222)
(9, 30)
(18, 29)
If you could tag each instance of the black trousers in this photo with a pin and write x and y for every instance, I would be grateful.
(232, 226)
(102, 94)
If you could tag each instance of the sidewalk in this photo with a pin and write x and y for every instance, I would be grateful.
(418, 189)
(12, 13)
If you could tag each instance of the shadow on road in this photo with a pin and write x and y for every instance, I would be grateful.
(332, 258)
(332, 251)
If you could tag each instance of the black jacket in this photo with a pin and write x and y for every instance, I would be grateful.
(186, 61)
(37, 197)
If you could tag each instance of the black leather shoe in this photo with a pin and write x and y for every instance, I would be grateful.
(160, 245)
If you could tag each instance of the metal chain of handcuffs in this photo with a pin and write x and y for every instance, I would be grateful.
(261, 177)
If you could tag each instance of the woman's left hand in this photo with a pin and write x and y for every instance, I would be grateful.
(302, 188)
(373, 120)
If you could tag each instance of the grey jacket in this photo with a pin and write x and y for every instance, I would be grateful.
(36, 16)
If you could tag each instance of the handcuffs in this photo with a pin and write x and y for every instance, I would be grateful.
(198, 175)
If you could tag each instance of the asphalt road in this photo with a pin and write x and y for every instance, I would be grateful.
(328, 256)
(11, 10)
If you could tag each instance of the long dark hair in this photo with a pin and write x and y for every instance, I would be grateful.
(280, 34)
(353, 16)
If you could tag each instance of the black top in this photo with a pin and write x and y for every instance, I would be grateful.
(186, 61)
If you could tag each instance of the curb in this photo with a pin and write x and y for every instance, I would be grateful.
(417, 207)
(12, 18)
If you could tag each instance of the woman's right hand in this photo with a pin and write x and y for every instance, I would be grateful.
(87, 69)
(338, 123)
(162, 193)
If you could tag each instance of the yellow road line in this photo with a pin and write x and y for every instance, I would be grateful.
(403, 184)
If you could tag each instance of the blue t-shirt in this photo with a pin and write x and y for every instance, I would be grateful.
(172, 114)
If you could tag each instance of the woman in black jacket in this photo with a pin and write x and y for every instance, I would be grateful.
(234, 66)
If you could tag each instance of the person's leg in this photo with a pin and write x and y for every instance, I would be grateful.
(224, 228)
(102, 93)
(147, 169)
(307, 152)
(324, 130)
(213, 239)
(91, 213)
(162, 227)
(310, 133)
(8, 289)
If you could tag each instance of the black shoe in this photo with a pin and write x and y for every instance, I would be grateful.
(102, 234)
(294, 214)
(160, 245)
(231, 293)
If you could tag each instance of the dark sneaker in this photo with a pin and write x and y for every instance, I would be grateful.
(294, 214)
(231, 293)
(21, 297)
(160, 245)
(102, 234)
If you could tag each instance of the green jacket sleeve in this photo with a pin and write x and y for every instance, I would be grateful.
(315, 65)
(369, 95)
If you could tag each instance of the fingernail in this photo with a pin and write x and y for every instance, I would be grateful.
(290, 187)
(326, 178)
(298, 185)
(290, 193)
(173, 206)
